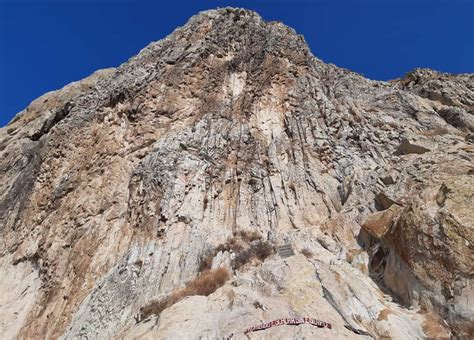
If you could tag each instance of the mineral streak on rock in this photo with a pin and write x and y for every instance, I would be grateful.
(119, 189)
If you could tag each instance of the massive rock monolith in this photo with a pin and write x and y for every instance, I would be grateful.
(122, 194)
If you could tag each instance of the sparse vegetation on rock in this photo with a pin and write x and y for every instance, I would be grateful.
(206, 283)
(112, 188)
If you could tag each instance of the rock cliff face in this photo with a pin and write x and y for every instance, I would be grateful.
(212, 148)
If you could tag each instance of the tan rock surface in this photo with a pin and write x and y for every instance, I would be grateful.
(116, 188)
(378, 223)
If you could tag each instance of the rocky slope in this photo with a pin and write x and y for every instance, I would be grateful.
(209, 149)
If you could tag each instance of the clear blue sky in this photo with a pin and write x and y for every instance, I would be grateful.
(44, 45)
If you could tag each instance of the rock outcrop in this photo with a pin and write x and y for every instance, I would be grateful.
(212, 148)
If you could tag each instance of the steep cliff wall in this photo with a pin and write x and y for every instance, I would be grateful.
(223, 139)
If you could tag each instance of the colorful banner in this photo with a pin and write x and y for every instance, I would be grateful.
(288, 321)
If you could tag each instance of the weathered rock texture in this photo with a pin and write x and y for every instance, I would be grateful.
(115, 188)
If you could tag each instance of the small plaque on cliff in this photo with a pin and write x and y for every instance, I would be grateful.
(285, 251)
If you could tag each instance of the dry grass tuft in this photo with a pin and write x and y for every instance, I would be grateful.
(205, 284)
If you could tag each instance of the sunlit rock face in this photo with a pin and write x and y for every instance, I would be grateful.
(117, 188)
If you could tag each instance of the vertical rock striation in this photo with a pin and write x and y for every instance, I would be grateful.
(223, 139)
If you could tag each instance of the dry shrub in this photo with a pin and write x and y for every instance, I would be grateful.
(154, 307)
(306, 252)
(260, 250)
(250, 236)
(242, 258)
(205, 261)
(236, 243)
(205, 284)
(232, 244)
(246, 245)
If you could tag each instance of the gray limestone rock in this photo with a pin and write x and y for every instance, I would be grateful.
(220, 142)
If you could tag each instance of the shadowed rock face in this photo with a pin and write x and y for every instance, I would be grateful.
(116, 187)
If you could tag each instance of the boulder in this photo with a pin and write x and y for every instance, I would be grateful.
(433, 243)
(378, 223)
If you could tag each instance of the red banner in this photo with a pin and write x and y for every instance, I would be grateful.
(288, 321)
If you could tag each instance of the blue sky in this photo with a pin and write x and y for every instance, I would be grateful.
(45, 45)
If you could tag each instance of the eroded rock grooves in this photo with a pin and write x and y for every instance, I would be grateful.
(119, 189)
